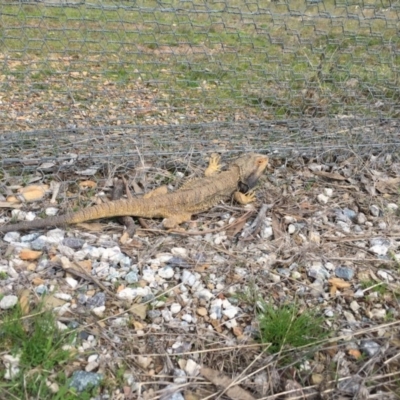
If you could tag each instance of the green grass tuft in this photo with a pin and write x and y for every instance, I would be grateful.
(286, 327)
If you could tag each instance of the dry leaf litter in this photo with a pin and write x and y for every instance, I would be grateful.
(178, 310)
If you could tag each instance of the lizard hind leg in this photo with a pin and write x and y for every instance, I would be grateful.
(214, 165)
(247, 198)
(173, 221)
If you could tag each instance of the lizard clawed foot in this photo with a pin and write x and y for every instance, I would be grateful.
(247, 198)
(214, 165)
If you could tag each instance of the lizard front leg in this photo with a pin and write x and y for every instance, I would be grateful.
(243, 198)
(214, 165)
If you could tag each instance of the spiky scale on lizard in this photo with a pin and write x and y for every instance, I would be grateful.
(174, 207)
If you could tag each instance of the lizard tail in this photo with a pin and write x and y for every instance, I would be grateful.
(117, 208)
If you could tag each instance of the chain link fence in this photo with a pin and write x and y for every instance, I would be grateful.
(114, 80)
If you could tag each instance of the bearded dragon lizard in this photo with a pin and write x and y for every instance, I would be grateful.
(194, 197)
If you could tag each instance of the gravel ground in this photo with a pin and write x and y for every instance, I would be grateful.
(175, 308)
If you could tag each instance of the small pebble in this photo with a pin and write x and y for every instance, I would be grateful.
(370, 347)
(179, 252)
(41, 289)
(230, 311)
(71, 282)
(175, 308)
(99, 311)
(328, 192)
(81, 380)
(352, 215)
(73, 243)
(179, 376)
(91, 366)
(188, 278)
(8, 302)
(166, 272)
(392, 206)
(51, 211)
(11, 237)
(374, 210)
(98, 300)
(323, 199)
(385, 275)
(354, 306)
(29, 237)
(132, 277)
(382, 225)
(192, 368)
(361, 218)
(344, 272)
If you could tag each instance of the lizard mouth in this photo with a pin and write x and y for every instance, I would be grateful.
(249, 183)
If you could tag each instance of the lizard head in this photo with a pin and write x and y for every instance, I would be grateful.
(251, 166)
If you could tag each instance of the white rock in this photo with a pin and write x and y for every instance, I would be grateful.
(148, 275)
(345, 227)
(392, 206)
(187, 317)
(11, 237)
(91, 366)
(8, 302)
(12, 366)
(99, 311)
(296, 275)
(166, 272)
(289, 219)
(216, 309)
(51, 211)
(328, 192)
(120, 321)
(61, 326)
(267, 232)
(179, 252)
(274, 278)
(354, 306)
(161, 258)
(55, 236)
(329, 266)
(188, 278)
(204, 294)
(382, 225)
(53, 386)
(378, 313)
(361, 218)
(230, 311)
(291, 229)
(63, 296)
(349, 316)
(374, 210)
(179, 377)
(385, 275)
(322, 198)
(111, 253)
(128, 294)
(192, 368)
(93, 358)
(71, 282)
(379, 249)
(167, 315)
(175, 308)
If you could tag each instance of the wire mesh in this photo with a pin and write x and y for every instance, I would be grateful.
(109, 80)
